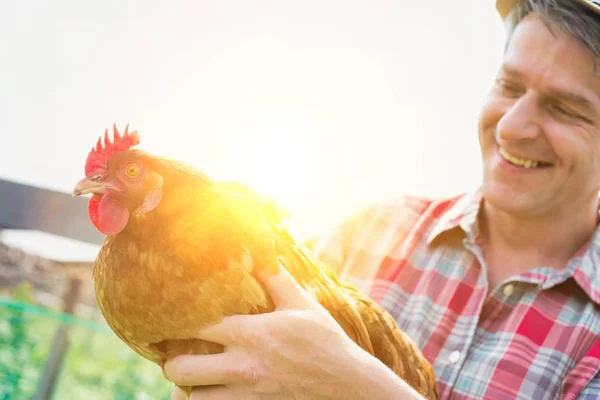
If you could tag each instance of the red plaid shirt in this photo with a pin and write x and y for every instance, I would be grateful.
(535, 336)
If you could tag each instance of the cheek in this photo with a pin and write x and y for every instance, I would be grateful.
(122, 182)
(491, 112)
(589, 153)
(131, 189)
(575, 148)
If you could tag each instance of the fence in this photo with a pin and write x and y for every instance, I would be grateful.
(96, 364)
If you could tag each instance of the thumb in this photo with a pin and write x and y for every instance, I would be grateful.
(285, 291)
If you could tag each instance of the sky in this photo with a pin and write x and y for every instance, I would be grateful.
(324, 105)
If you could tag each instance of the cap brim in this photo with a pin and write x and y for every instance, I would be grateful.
(504, 6)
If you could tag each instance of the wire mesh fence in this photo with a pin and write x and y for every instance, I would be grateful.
(95, 365)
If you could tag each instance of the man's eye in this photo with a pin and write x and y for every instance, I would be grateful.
(560, 109)
(508, 88)
(564, 112)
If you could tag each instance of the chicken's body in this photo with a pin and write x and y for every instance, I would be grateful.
(192, 260)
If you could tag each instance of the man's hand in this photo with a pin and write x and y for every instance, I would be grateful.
(298, 351)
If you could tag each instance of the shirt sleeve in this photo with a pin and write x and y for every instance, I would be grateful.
(333, 247)
(356, 247)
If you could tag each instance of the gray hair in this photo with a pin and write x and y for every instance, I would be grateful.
(573, 18)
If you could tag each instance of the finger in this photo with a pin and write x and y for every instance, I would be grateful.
(178, 394)
(204, 370)
(230, 331)
(285, 291)
(213, 393)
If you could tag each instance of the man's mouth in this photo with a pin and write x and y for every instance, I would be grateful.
(522, 162)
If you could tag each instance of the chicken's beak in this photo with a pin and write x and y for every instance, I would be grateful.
(87, 185)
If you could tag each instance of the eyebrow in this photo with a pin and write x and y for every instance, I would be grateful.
(562, 95)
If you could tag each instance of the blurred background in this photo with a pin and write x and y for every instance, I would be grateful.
(324, 105)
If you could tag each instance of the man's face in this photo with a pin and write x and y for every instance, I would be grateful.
(539, 130)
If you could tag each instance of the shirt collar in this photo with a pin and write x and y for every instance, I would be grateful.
(462, 214)
(586, 272)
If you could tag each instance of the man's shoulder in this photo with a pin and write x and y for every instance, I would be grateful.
(386, 221)
(407, 209)
(354, 247)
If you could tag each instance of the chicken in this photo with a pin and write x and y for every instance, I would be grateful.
(182, 251)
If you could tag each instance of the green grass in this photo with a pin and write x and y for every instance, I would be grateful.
(97, 366)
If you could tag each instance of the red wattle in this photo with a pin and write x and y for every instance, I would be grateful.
(108, 215)
(93, 210)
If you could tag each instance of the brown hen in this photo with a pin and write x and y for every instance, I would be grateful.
(182, 252)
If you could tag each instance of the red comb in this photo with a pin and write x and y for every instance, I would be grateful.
(98, 157)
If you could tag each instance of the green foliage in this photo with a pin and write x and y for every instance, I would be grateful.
(97, 365)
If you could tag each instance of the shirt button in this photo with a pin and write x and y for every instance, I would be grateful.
(454, 356)
(508, 290)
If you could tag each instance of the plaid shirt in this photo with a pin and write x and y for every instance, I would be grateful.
(535, 336)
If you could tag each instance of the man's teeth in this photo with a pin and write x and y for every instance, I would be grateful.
(518, 161)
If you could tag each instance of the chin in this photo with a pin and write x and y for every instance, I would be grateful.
(509, 200)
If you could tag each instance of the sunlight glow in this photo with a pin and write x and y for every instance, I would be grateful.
(275, 160)
(325, 106)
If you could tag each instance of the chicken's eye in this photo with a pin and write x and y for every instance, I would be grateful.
(132, 170)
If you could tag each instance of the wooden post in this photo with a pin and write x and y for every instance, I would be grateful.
(60, 344)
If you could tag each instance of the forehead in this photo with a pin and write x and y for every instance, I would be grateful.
(548, 56)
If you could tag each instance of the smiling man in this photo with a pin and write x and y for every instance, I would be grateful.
(539, 132)
(500, 288)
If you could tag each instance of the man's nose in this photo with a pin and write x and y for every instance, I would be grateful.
(520, 121)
